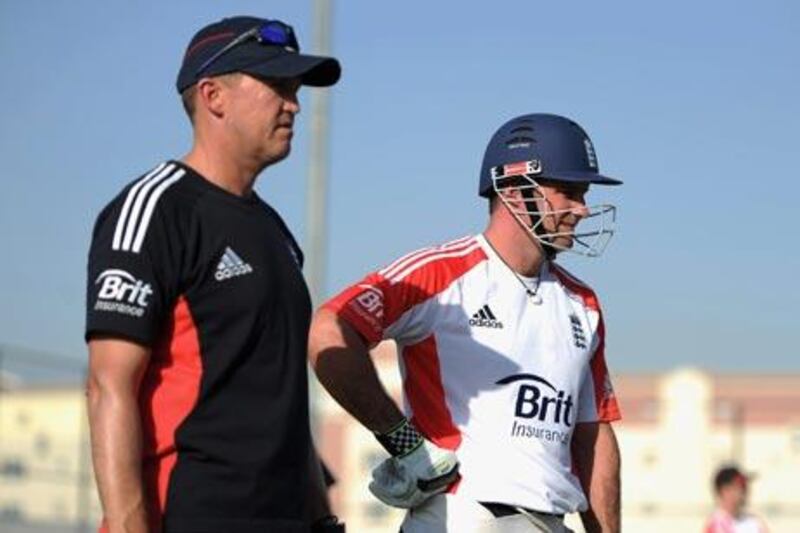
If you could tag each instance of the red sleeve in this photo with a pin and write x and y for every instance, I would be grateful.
(605, 399)
(382, 298)
(362, 306)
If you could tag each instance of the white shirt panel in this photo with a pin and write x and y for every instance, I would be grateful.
(516, 436)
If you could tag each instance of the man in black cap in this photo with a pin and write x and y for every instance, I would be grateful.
(730, 489)
(198, 314)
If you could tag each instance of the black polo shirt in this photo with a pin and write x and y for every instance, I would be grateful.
(212, 283)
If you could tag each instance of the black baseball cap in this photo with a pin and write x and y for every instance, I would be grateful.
(263, 48)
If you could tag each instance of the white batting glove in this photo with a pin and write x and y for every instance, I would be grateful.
(418, 470)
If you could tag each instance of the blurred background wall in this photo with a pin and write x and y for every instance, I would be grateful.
(678, 427)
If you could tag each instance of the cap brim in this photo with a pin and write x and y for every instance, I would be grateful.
(582, 177)
(315, 71)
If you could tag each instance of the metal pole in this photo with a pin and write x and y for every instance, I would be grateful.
(2, 392)
(317, 192)
(738, 433)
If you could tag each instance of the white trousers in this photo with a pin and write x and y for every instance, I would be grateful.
(447, 513)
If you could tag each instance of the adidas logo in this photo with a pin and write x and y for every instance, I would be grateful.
(231, 265)
(484, 318)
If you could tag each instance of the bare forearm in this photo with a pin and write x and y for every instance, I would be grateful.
(603, 515)
(116, 453)
(343, 366)
(598, 464)
(362, 396)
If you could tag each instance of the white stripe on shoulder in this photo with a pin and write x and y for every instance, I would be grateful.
(407, 259)
(123, 216)
(151, 205)
(428, 252)
(401, 261)
(133, 219)
(435, 257)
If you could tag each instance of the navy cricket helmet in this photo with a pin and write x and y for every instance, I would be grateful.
(540, 145)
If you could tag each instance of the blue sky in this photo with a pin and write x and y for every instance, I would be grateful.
(694, 104)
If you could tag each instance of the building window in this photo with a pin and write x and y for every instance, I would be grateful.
(649, 508)
(795, 436)
(11, 513)
(649, 458)
(23, 419)
(60, 509)
(13, 468)
(42, 445)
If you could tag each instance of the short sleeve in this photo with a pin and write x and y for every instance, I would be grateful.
(598, 403)
(133, 268)
(387, 304)
(379, 310)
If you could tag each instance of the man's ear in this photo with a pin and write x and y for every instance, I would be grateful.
(211, 96)
(513, 197)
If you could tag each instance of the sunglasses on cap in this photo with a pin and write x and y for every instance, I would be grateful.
(270, 33)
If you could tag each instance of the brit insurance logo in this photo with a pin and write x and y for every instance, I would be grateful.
(541, 410)
(368, 304)
(120, 292)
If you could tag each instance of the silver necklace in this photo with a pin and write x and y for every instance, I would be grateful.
(533, 294)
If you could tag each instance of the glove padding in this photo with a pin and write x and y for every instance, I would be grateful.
(407, 481)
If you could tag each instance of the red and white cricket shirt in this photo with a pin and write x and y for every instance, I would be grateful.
(489, 370)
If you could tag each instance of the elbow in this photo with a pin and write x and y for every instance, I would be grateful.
(103, 392)
(319, 335)
(93, 391)
(98, 397)
(96, 401)
(331, 338)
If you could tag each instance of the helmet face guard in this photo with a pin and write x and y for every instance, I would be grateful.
(597, 227)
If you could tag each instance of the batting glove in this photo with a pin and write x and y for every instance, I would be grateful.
(417, 470)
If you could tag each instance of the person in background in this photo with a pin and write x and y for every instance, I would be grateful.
(730, 489)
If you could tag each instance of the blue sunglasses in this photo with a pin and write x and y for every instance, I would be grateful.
(270, 33)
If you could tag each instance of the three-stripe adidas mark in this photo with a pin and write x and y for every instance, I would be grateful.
(139, 206)
(484, 318)
(231, 265)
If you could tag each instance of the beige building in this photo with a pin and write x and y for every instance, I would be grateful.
(45, 468)
(678, 428)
